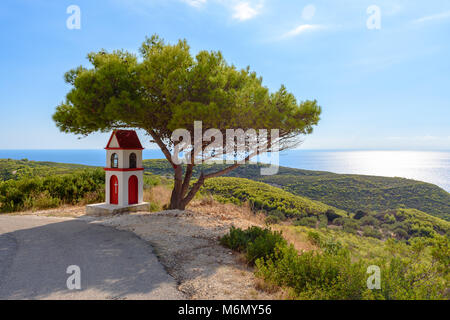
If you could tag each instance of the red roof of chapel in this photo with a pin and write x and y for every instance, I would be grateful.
(127, 139)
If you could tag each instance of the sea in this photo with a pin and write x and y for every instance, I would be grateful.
(428, 166)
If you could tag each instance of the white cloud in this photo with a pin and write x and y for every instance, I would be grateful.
(308, 12)
(195, 3)
(439, 16)
(244, 11)
(303, 28)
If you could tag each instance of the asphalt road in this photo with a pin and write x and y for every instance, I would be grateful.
(35, 253)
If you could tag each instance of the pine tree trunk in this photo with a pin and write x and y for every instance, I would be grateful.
(179, 200)
(175, 199)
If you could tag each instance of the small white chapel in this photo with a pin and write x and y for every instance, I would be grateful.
(124, 175)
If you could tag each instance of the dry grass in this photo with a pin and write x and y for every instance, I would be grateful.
(266, 286)
(277, 292)
(300, 242)
(226, 211)
(158, 196)
(207, 205)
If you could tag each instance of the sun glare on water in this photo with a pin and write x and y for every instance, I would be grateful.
(424, 166)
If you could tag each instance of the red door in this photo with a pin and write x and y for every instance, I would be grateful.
(114, 190)
(133, 190)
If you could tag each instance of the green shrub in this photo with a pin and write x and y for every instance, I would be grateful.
(314, 238)
(272, 219)
(348, 224)
(323, 221)
(372, 232)
(331, 215)
(255, 242)
(339, 221)
(390, 218)
(368, 221)
(359, 214)
(401, 233)
(314, 275)
(280, 214)
(310, 222)
(154, 207)
(236, 239)
(418, 270)
(50, 191)
(264, 245)
(151, 180)
(351, 226)
(332, 246)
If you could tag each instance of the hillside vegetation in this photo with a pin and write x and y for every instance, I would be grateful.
(279, 205)
(355, 192)
(16, 169)
(344, 191)
(50, 191)
(332, 271)
(261, 196)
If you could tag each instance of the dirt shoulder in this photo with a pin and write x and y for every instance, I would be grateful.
(61, 212)
(187, 245)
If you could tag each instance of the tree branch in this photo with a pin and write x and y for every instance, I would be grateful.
(162, 146)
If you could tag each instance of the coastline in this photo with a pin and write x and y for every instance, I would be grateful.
(426, 166)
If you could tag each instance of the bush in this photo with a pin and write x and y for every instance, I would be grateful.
(255, 242)
(351, 226)
(314, 238)
(323, 221)
(359, 214)
(401, 233)
(372, 232)
(331, 215)
(151, 180)
(272, 219)
(418, 270)
(279, 214)
(264, 245)
(348, 224)
(310, 222)
(51, 191)
(339, 221)
(332, 246)
(314, 275)
(154, 207)
(369, 221)
(390, 218)
(236, 239)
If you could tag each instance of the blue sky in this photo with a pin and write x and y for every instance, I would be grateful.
(386, 88)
